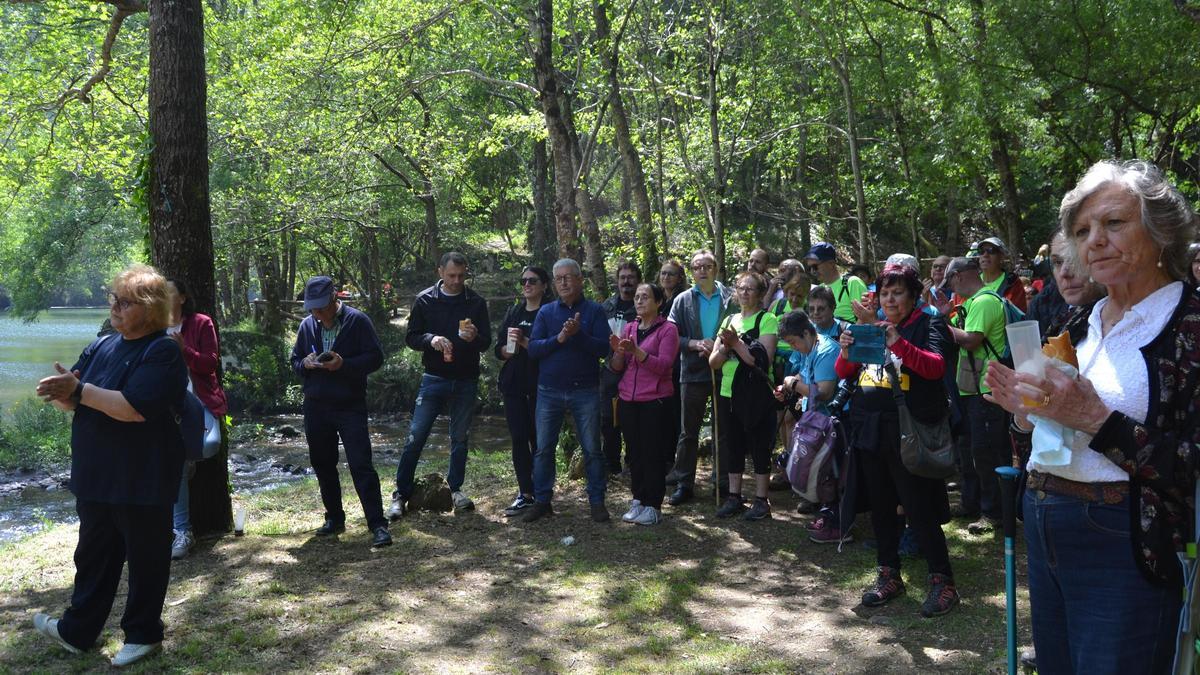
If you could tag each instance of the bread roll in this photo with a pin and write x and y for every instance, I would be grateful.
(1060, 347)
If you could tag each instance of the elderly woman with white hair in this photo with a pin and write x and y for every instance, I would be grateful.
(1103, 528)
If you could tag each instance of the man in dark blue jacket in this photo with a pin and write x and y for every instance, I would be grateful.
(449, 326)
(336, 348)
(570, 336)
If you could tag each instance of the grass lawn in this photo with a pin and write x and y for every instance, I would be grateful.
(472, 592)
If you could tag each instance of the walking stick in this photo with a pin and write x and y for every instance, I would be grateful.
(712, 375)
(1008, 485)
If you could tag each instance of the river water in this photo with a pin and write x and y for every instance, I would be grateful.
(28, 350)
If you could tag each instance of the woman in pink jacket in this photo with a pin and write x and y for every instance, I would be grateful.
(646, 351)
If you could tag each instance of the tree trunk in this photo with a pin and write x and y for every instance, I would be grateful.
(802, 192)
(860, 200)
(716, 206)
(565, 227)
(270, 282)
(634, 174)
(180, 222)
(541, 236)
(953, 222)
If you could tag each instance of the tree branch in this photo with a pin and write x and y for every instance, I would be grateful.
(477, 75)
(933, 15)
(125, 9)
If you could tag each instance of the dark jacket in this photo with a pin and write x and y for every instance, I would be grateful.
(574, 364)
(1161, 456)
(356, 343)
(519, 373)
(685, 314)
(611, 311)
(1047, 307)
(434, 313)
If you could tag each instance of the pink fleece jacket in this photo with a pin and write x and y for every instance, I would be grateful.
(650, 380)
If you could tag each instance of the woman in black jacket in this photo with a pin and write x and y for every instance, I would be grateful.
(915, 343)
(518, 381)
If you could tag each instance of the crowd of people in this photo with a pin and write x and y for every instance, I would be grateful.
(640, 371)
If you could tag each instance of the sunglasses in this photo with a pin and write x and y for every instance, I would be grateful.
(529, 281)
(988, 251)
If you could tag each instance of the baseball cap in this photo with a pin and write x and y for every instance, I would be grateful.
(317, 293)
(821, 252)
(904, 259)
(959, 265)
(997, 242)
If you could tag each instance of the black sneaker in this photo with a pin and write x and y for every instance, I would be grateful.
(331, 527)
(380, 537)
(942, 598)
(759, 510)
(599, 513)
(537, 512)
(733, 505)
(888, 586)
(681, 495)
(519, 504)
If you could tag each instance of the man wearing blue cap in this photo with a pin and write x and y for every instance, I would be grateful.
(336, 348)
(822, 263)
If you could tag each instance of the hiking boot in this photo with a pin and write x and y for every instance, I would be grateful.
(47, 626)
(984, 525)
(942, 598)
(829, 534)
(635, 507)
(182, 544)
(888, 586)
(519, 504)
(1028, 659)
(759, 510)
(537, 512)
(647, 516)
(733, 505)
(131, 653)
(599, 513)
(331, 526)
(461, 501)
(398, 507)
(681, 495)
(818, 523)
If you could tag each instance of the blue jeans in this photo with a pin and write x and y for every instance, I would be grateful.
(435, 394)
(552, 406)
(182, 515)
(1093, 611)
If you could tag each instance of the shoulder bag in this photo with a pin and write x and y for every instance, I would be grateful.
(927, 450)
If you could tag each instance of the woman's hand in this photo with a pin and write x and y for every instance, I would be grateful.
(58, 387)
(845, 340)
(729, 338)
(1071, 402)
(890, 334)
(614, 343)
(864, 311)
(626, 346)
(1002, 380)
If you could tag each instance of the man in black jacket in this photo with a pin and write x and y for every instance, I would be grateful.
(619, 311)
(336, 348)
(449, 326)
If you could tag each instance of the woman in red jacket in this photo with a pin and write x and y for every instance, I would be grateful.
(196, 336)
(646, 350)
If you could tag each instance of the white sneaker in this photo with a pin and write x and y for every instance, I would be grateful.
(461, 501)
(396, 510)
(648, 516)
(635, 507)
(182, 545)
(131, 653)
(43, 624)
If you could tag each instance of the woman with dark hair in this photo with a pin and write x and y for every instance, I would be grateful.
(518, 381)
(1105, 530)
(673, 279)
(752, 430)
(126, 460)
(644, 353)
(915, 342)
(196, 335)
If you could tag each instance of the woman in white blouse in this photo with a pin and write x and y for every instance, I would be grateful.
(1103, 528)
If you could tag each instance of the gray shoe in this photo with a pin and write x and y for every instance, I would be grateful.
(635, 507)
(461, 501)
(47, 626)
(131, 653)
(182, 545)
(647, 516)
(397, 509)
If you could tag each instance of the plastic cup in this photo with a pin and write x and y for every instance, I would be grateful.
(1025, 341)
(239, 521)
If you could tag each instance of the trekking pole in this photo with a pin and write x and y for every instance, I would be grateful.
(712, 374)
(1008, 485)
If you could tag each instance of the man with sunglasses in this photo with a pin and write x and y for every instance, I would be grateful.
(449, 326)
(847, 288)
(697, 313)
(993, 255)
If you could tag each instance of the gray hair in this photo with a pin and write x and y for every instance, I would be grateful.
(568, 263)
(1166, 213)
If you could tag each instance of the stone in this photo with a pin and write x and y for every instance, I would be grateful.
(287, 431)
(431, 493)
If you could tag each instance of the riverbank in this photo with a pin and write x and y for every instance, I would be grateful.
(470, 592)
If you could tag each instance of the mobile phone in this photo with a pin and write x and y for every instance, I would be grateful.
(325, 357)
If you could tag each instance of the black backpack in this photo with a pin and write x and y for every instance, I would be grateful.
(753, 397)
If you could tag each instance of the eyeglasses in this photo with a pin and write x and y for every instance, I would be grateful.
(748, 289)
(529, 281)
(564, 278)
(668, 273)
(120, 303)
(988, 250)
(703, 266)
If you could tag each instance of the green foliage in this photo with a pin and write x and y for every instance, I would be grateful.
(34, 435)
(258, 377)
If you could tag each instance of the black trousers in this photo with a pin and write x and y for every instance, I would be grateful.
(109, 536)
(888, 485)
(990, 448)
(323, 425)
(650, 445)
(519, 412)
(755, 440)
(694, 398)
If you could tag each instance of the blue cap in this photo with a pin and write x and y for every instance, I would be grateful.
(821, 252)
(317, 293)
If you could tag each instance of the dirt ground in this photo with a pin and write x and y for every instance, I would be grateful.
(473, 592)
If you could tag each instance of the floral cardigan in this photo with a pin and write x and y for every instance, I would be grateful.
(1162, 457)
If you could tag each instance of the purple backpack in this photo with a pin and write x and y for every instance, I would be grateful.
(812, 465)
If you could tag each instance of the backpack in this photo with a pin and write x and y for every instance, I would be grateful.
(1012, 314)
(752, 394)
(812, 466)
